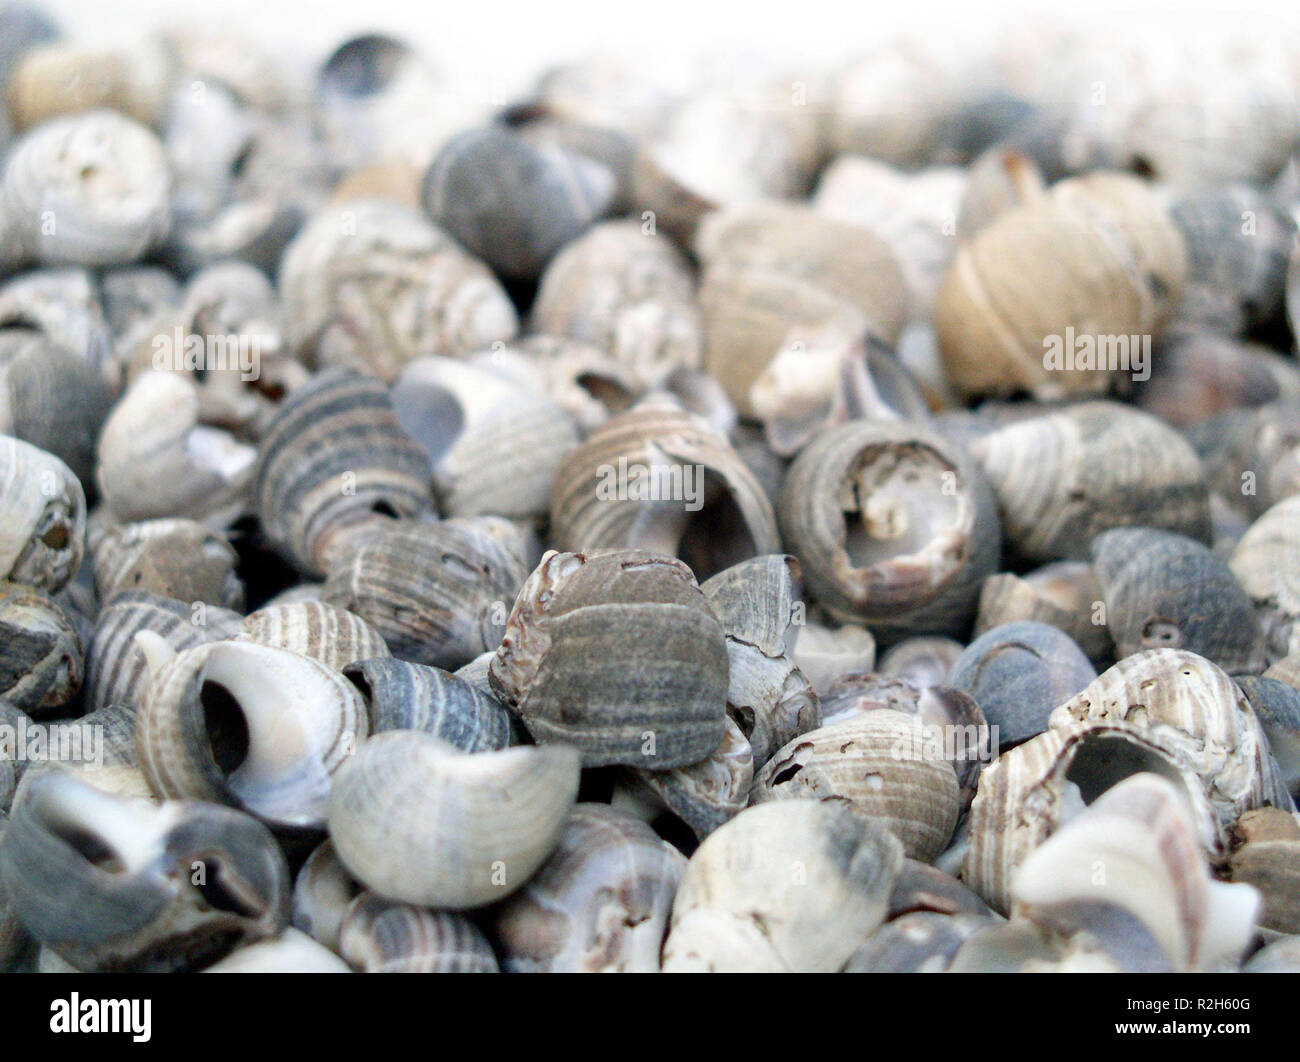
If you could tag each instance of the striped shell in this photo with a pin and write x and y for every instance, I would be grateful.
(323, 632)
(40, 652)
(379, 936)
(42, 517)
(333, 456)
(1266, 563)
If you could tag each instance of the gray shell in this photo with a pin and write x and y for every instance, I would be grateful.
(380, 936)
(40, 652)
(921, 942)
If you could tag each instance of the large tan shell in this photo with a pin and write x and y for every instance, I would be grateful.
(369, 285)
(599, 904)
(157, 460)
(1097, 256)
(42, 517)
(791, 886)
(257, 727)
(420, 822)
(894, 527)
(628, 292)
(915, 213)
(626, 487)
(1064, 477)
(878, 763)
(66, 78)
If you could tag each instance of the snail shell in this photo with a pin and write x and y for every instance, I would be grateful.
(1238, 246)
(436, 592)
(703, 795)
(1266, 563)
(1018, 673)
(40, 651)
(176, 558)
(116, 670)
(494, 444)
(156, 459)
(110, 883)
(291, 952)
(1063, 594)
(418, 821)
(870, 761)
(379, 936)
(1277, 705)
(42, 517)
(627, 292)
(657, 478)
(512, 202)
(618, 654)
(89, 189)
(1094, 466)
(1251, 457)
(405, 696)
(53, 399)
(922, 661)
(64, 78)
(370, 285)
(1167, 591)
(743, 903)
(64, 305)
(921, 942)
(335, 455)
(825, 654)
(1141, 832)
(599, 904)
(1096, 255)
(323, 632)
(894, 527)
(260, 728)
(322, 892)
(915, 213)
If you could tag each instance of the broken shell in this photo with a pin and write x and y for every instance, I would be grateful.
(1141, 835)
(157, 460)
(920, 942)
(1094, 259)
(259, 728)
(118, 884)
(437, 592)
(405, 696)
(322, 892)
(323, 632)
(1094, 466)
(43, 527)
(420, 822)
(89, 189)
(744, 902)
(894, 527)
(627, 292)
(922, 661)
(1018, 673)
(590, 384)
(494, 444)
(116, 670)
(1277, 705)
(657, 478)
(879, 763)
(53, 399)
(1266, 854)
(706, 794)
(1167, 591)
(40, 651)
(336, 455)
(1238, 244)
(1064, 594)
(291, 952)
(379, 936)
(369, 285)
(599, 904)
(511, 202)
(825, 654)
(618, 654)
(1266, 563)
(176, 558)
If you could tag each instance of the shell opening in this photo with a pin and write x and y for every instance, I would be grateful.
(1102, 762)
(225, 726)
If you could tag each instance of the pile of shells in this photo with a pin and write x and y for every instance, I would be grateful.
(661, 523)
